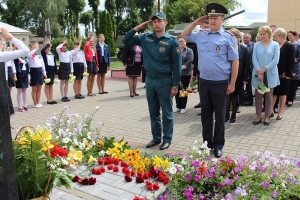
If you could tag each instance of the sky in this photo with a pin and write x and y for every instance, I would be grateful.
(255, 11)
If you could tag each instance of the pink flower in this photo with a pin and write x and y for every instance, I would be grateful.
(187, 177)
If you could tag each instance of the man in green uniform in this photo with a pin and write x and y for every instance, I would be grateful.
(162, 62)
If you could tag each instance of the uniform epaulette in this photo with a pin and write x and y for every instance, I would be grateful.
(173, 36)
(229, 32)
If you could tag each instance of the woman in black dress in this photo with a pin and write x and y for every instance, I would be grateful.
(285, 69)
(133, 61)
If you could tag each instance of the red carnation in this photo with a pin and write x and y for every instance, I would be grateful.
(115, 161)
(85, 181)
(109, 167)
(166, 181)
(155, 186)
(128, 179)
(92, 181)
(115, 169)
(96, 171)
(124, 164)
(149, 187)
(102, 169)
(148, 183)
(140, 173)
(100, 162)
(139, 179)
(146, 176)
(132, 173)
(76, 179)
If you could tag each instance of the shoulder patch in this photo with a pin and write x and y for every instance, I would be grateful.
(178, 50)
(229, 32)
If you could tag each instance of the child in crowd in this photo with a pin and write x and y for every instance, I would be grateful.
(37, 74)
(79, 66)
(51, 70)
(90, 57)
(22, 73)
(65, 68)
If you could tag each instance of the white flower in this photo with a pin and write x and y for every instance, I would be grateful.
(183, 161)
(65, 140)
(282, 156)
(66, 108)
(61, 170)
(102, 153)
(244, 193)
(73, 167)
(51, 166)
(172, 170)
(97, 107)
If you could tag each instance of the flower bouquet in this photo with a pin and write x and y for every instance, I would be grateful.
(37, 169)
(85, 74)
(71, 78)
(261, 87)
(47, 80)
(192, 87)
(182, 92)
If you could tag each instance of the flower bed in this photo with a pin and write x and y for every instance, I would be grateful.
(68, 140)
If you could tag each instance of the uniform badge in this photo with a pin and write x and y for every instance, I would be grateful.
(236, 46)
(162, 49)
(178, 50)
(217, 48)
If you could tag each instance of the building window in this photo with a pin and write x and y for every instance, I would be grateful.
(41, 42)
(23, 39)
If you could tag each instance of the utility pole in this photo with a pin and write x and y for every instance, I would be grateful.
(158, 5)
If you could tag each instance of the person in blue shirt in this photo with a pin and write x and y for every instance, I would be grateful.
(218, 66)
(162, 62)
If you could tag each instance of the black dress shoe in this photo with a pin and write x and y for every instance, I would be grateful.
(82, 96)
(218, 153)
(165, 145)
(238, 111)
(152, 144)
(272, 115)
(256, 122)
(227, 118)
(232, 120)
(267, 123)
(199, 114)
(198, 105)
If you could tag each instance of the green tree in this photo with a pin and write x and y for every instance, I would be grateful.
(109, 37)
(121, 6)
(253, 33)
(183, 10)
(110, 6)
(131, 21)
(146, 9)
(94, 5)
(103, 23)
(76, 7)
(86, 18)
(12, 12)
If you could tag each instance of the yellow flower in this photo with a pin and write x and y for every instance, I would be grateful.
(138, 151)
(113, 151)
(46, 146)
(92, 159)
(119, 144)
(147, 161)
(72, 162)
(86, 144)
(99, 143)
(156, 161)
(127, 153)
(78, 155)
(165, 164)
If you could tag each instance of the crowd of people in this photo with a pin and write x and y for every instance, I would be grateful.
(36, 69)
(224, 63)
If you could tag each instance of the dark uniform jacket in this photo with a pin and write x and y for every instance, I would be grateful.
(244, 62)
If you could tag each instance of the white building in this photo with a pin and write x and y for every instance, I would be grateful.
(19, 33)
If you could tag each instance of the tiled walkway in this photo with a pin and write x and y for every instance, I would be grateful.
(128, 117)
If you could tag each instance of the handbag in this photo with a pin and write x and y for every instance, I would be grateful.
(246, 97)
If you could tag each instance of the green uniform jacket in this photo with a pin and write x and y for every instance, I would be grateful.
(162, 56)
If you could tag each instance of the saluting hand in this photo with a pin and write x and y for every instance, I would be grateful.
(7, 35)
(142, 25)
(200, 20)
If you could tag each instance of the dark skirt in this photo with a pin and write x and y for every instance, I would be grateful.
(134, 70)
(50, 74)
(22, 80)
(10, 105)
(103, 67)
(36, 76)
(283, 88)
(64, 71)
(10, 78)
(78, 70)
(91, 66)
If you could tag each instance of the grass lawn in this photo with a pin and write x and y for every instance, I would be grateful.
(116, 64)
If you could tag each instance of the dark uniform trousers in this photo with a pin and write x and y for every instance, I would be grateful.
(213, 99)
(158, 97)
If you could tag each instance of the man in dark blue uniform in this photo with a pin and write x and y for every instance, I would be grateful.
(162, 62)
(218, 64)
